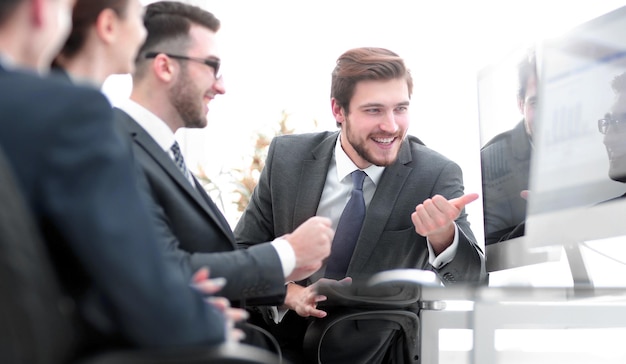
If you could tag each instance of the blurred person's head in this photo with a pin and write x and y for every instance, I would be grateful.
(613, 126)
(105, 38)
(527, 89)
(33, 31)
(177, 68)
(370, 94)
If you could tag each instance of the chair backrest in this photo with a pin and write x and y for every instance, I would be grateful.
(36, 325)
(405, 347)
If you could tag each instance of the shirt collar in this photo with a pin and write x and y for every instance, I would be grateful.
(345, 165)
(152, 124)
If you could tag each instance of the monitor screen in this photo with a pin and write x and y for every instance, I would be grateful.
(505, 143)
(578, 169)
(507, 98)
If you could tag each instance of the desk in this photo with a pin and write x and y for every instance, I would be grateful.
(541, 308)
(436, 314)
(516, 308)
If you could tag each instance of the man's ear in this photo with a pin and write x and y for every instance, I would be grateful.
(338, 111)
(106, 26)
(163, 68)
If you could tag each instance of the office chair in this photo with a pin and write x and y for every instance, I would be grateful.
(391, 296)
(37, 321)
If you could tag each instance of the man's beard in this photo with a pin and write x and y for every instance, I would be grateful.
(361, 150)
(184, 94)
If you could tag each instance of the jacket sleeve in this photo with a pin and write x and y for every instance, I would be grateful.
(254, 276)
(468, 264)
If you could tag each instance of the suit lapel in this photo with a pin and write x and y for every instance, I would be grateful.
(145, 141)
(380, 208)
(214, 211)
(312, 180)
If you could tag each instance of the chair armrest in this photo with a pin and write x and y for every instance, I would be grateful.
(418, 277)
(392, 289)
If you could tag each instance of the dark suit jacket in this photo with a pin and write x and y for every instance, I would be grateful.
(291, 186)
(194, 231)
(77, 178)
(505, 163)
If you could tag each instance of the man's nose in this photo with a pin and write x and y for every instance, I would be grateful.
(389, 123)
(219, 87)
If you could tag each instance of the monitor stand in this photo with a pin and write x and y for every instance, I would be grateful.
(578, 269)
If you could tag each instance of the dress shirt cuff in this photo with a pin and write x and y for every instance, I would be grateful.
(286, 255)
(446, 256)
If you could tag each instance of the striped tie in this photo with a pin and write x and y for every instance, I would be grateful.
(180, 161)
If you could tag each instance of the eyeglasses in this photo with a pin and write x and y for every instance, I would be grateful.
(213, 63)
(610, 121)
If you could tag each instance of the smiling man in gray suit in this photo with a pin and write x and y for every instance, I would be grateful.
(414, 199)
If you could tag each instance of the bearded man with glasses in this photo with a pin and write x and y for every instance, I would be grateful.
(177, 75)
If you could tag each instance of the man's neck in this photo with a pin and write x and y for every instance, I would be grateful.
(85, 69)
(157, 104)
(16, 43)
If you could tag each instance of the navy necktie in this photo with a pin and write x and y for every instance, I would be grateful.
(180, 162)
(348, 230)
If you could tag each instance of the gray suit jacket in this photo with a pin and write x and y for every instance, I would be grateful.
(289, 192)
(193, 229)
(291, 186)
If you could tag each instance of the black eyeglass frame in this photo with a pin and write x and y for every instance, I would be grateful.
(213, 63)
(607, 121)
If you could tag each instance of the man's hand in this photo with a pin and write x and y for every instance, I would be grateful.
(434, 219)
(304, 300)
(311, 243)
(203, 284)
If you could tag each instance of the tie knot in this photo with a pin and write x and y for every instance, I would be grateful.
(179, 160)
(358, 177)
(176, 149)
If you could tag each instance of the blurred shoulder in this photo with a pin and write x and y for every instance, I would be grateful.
(41, 107)
(48, 90)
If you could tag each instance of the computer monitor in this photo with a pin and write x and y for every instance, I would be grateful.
(578, 166)
(506, 100)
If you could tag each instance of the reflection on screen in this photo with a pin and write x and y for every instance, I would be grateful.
(509, 109)
(579, 166)
(507, 98)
